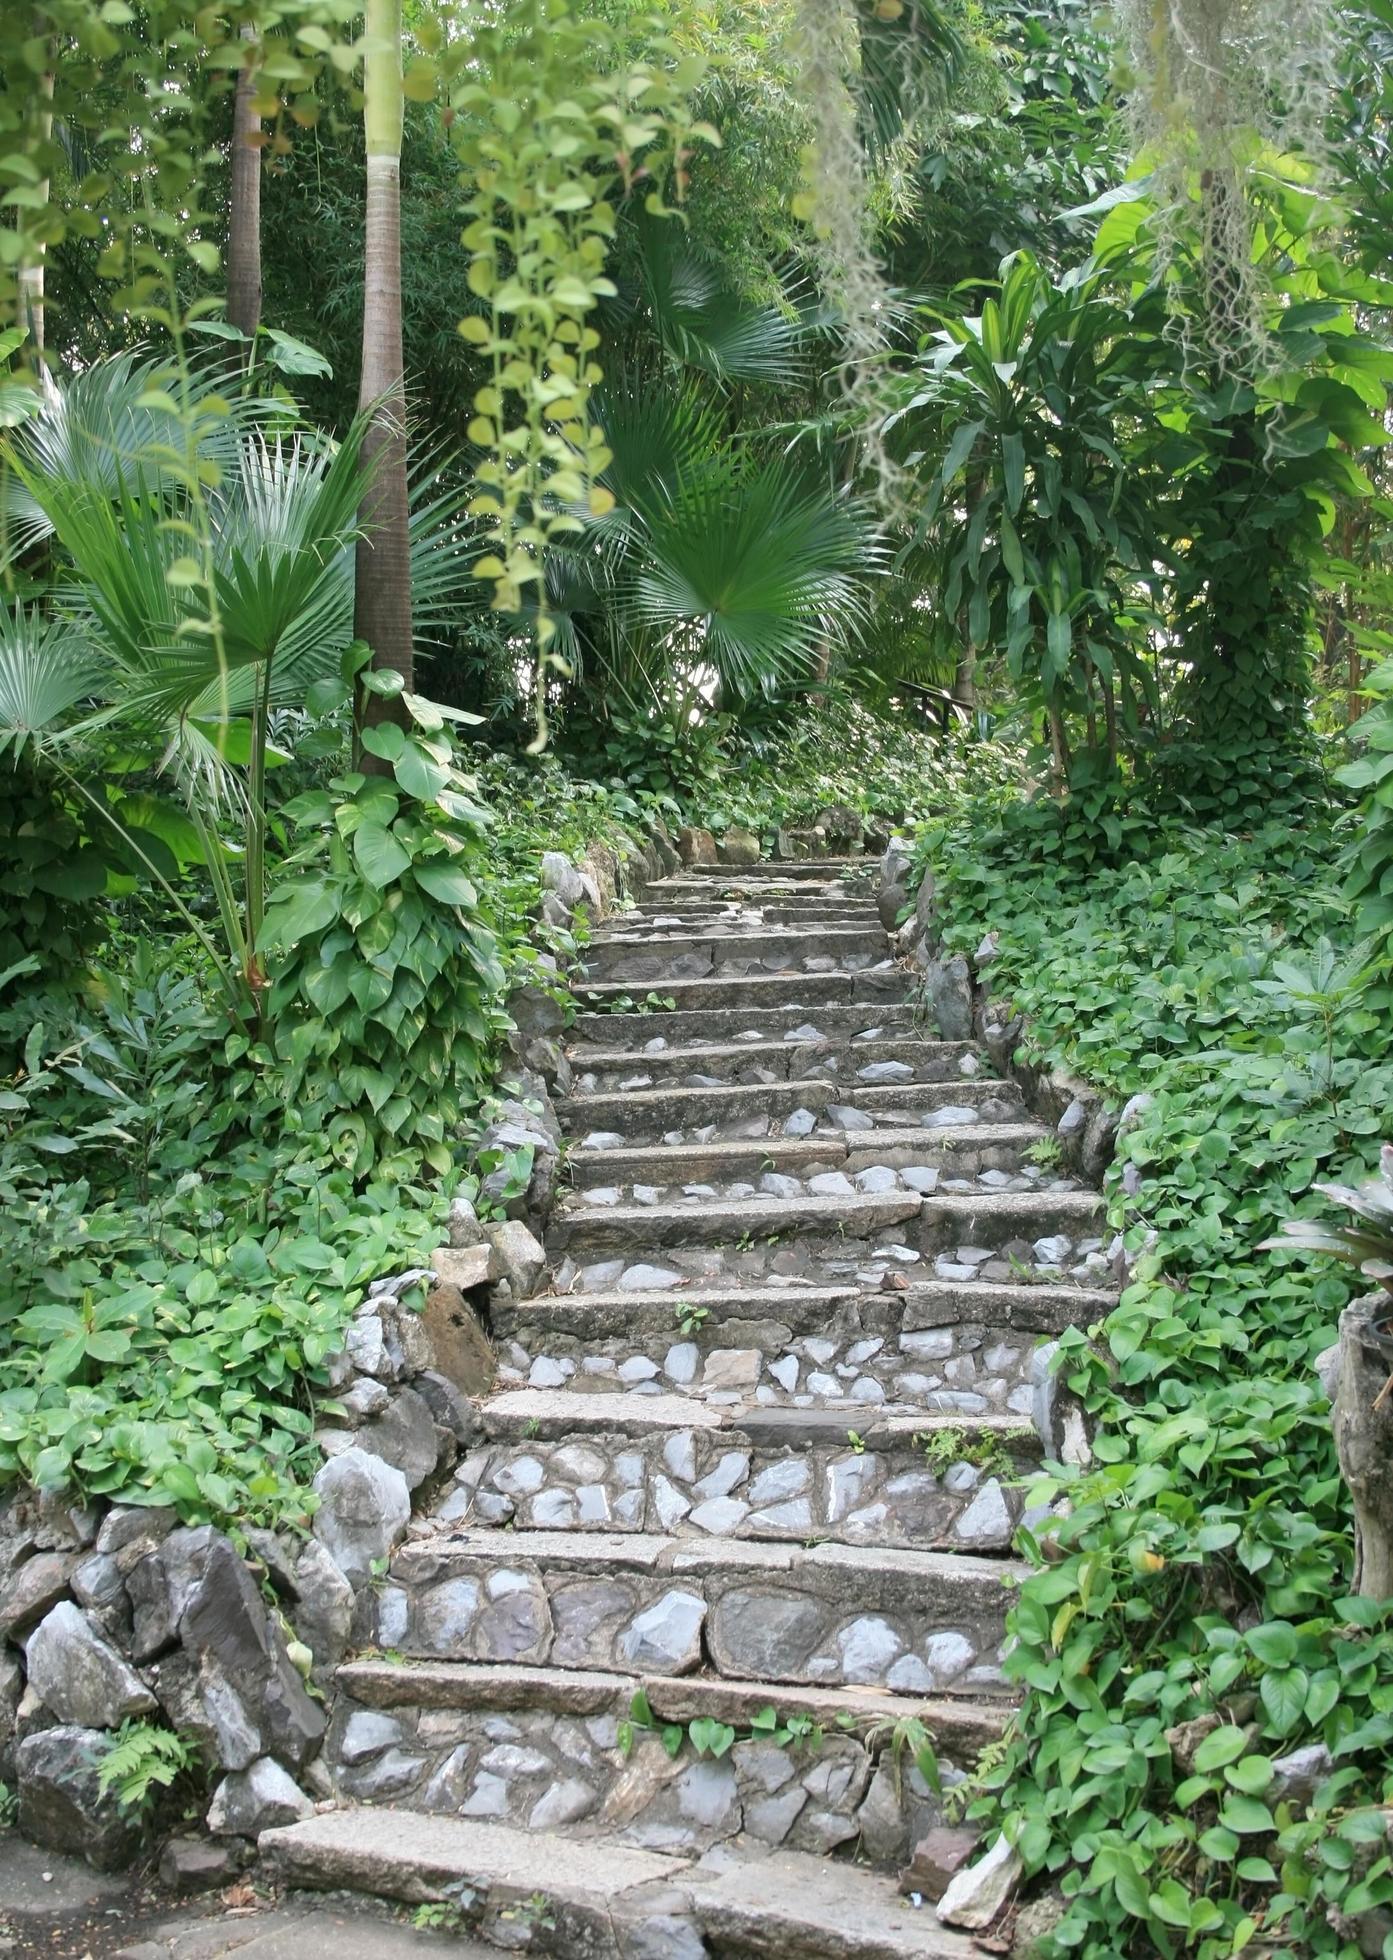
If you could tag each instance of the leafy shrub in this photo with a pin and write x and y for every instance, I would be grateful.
(384, 1007)
(1370, 862)
(1200, 1572)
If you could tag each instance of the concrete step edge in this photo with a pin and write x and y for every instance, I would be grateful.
(602, 1895)
(950, 1719)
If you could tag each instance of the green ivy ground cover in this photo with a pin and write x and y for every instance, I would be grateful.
(1203, 1568)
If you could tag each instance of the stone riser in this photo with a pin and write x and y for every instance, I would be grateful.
(831, 1261)
(954, 1151)
(758, 989)
(695, 914)
(770, 1317)
(683, 1026)
(775, 870)
(890, 1062)
(544, 1769)
(722, 1484)
(591, 1231)
(829, 1616)
(651, 1114)
(973, 1368)
(687, 956)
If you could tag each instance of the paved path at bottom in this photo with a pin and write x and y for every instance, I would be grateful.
(57, 1907)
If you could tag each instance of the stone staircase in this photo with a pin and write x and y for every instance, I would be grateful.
(716, 1600)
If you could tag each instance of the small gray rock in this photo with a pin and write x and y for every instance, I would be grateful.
(256, 1799)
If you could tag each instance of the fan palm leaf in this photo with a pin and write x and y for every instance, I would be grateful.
(47, 666)
(112, 423)
(754, 572)
(701, 323)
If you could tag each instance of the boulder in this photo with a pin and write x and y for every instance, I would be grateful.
(948, 985)
(364, 1509)
(465, 1267)
(938, 1858)
(194, 1865)
(740, 846)
(1298, 1776)
(232, 1683)
(61, 1804)
(79, 1676)
(11, 1689)
(404, 1435)
(1035, 1923)
(696, 846)
(256, 1799)
(318, 1599)
(891, 900)
(521, 1260)
(793, 846)
(463, 1353)
(32, 1589)
(976, 1894)
(842, 826)
(561, 879)
(465, 1228)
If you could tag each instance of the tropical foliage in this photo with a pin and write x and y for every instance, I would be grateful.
(973, 415)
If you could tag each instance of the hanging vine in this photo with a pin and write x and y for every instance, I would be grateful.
(1219, 85)
(549, 122)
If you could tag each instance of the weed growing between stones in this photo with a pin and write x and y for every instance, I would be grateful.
(708, 1737)
(141, 1761)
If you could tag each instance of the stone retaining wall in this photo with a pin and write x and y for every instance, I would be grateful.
(116, 1612)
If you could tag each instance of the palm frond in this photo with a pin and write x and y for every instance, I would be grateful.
(47, 666)
(703, 324)
(757, 576)
(112, 423)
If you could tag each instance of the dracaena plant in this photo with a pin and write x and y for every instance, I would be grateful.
(1367, 1241)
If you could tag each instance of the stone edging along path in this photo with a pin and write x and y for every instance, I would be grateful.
(719, 1482)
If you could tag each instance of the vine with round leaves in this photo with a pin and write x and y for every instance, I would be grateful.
(550, 119)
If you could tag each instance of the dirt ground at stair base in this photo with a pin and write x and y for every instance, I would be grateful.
(57, 1907)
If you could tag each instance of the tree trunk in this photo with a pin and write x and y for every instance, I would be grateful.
(30, 277)
(382, 608)
(1364, 1441)
(965, 680)
(244, 207)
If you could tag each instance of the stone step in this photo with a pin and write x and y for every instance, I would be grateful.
(829, 1615)
(772, 1317)
(726, 1024)
(1001, 1218)
(872, 983)
(738, 1108)
(649, 959)
(960, 1727)
(896, 1057)
(587, 1230)
(547, 1747)
(964, 1348)
(662, 1463)
(963, 1150)
(1066, 1248)
(810, 908)
(594, 1899)
(775, 869)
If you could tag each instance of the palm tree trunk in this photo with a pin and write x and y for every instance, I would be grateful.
(30, 278)
(382, 610)
(244, 207)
